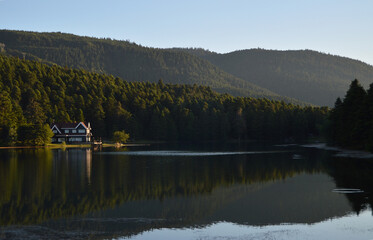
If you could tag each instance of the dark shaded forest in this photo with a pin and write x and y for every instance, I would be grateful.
(128, 61)
(351, 120)
(32, 93)
(305, 75)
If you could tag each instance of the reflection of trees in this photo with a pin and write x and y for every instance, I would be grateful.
(37, 185)
(40, 184)
(23, 181)
(354, 173)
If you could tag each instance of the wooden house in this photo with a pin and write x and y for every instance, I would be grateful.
(71, 132)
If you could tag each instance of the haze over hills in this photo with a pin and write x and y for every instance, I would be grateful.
(306, 75)
(128, 60)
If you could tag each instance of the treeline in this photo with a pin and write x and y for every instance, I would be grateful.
(35, 93)
(128, 61)
(309, 76)
(351, 120)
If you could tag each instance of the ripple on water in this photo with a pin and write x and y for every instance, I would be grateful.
(186, 153)
(347, 190)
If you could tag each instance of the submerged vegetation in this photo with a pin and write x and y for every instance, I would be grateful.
(36, 93)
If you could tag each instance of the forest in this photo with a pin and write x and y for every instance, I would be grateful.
(351, 120)
(306, 75)
(33, 94)
(298, 77)
(127, 60)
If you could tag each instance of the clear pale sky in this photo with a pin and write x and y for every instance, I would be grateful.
(338, 27)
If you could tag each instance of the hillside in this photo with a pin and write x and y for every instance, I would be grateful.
(128, 61)
(306, 75)
(33, 94)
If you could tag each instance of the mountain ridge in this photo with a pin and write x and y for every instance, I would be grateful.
(307, 75)
(128, 61)
(295, 76)
(199, 51)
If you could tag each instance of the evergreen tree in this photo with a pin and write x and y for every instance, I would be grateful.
(351, 119)
(33, 94)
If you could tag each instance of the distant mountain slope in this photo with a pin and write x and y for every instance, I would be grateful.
(128, 61)
(305, 75)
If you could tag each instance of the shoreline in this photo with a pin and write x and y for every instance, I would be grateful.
(60, 146)
(341, 152)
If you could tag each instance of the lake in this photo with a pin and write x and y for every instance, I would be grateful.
(231, 191)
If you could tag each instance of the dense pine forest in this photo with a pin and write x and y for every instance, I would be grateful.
(127, 60)
(351, 120)
(34, 94)
(298, 77)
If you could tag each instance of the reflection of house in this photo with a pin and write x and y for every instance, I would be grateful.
(2, 47)
(88, 164)
(71, 132)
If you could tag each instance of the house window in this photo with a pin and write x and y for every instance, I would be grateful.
(81, 131)
(60, 140)
(75, 139)
(54, 131)
(66, 131)
(73, 131)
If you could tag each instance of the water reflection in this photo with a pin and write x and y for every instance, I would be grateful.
(345, 228)
(95, 194)
(351, 173)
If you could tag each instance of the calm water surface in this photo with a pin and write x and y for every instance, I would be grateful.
(185, 192)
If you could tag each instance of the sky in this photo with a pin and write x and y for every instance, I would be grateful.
(339, 27)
